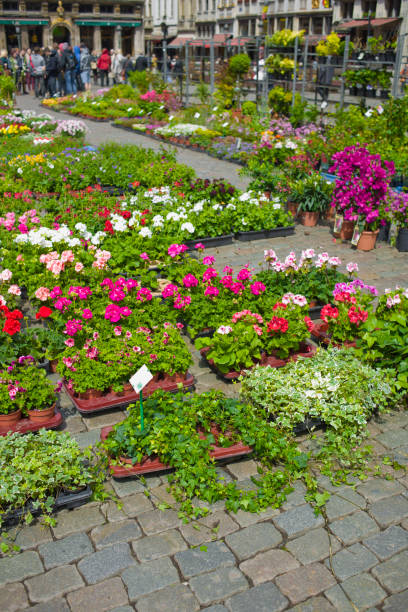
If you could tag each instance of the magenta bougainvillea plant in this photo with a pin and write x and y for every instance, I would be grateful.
(362, 185)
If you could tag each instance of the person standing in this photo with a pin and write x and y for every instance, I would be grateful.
(69, 63)
(51, 69)
(117, 66)
(37, 69)
(127, 68)
(178, 71)
(4, 62)
(85, 66)
(24, 71)
(104, 63)
(61, 77)
(94, 67)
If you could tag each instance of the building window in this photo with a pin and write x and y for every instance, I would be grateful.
(85, 8)
(32, 7)
(243, 27)
(347, 9)
(106, 8)
(10, 6)
(304, 24)
(52, 7)
(327, 25)
(317, 25)
(289, 23)
(126, 10)
(393, 8)
(369, 7)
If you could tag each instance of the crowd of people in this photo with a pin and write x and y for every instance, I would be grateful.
(63, 69)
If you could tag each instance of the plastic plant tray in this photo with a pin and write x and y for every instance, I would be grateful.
(273, 362)
(25, 425)
(64, 500)
(212, 241)
(265, 234)
(115, 400)
(148, 466)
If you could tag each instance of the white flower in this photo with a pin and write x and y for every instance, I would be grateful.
(224, 329)
(276, 206)
(145, 232)
(300, 300)
(157, 221)
(245, 196)
(352, 267)
(20, 170)
(81, 227)
(188, 227)
(172, 216)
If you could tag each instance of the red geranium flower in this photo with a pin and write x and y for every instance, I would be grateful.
(43, 313)
(11, 326)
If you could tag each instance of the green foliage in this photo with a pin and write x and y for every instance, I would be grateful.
(203, 92)
(312, 194)
(239, 65)
(141, 79)
(249, 108)
(7, 88)
(330, 45)
(280, 100)
(285, 38)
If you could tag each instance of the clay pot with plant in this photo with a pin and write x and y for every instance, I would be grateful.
(312, 196)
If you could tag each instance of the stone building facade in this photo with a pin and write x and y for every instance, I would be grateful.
(112, 25)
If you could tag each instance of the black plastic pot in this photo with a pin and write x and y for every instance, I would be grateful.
(385, 94)
(265, 234)
(402, 240)
(211, 241)
(384, 233)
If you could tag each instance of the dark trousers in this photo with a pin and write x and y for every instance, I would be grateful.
(104, 75)
(38, 85)
(52, 84)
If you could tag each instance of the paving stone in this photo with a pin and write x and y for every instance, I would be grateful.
(83, 519)
(55, 583)
(216, 608)
(393, 420)
(112, 533)
(142, 579)
(351, 561)
(74, 424)
(160, 494)
(54, 605)
(244, 519)
(390, 511)
(397, 602)
(378, 488)
(161, 545)
(106, 563)
(223, 475)
(217, 586)
(243, 469)
(177, 597)
(87, 438)
(393, 438)
(30, 536)
(297, 521)
(62, 552)
(313, 546)
(315, 604)
(136, 504)
(352, 496)
(267, 565)
(220, 521)
(196, 561)
(19, 567)
(263, 598)
(362, 590)
(111, 512)
(296, 498)
(105, 419)
(354, 527)
(253, 539)
(130, 486)
(123, 609)
(305, 581)
(392, 574)
(388, 542)
(246, 485)
(156, 521)
(338, 507)
(100, 597)
(13, 597)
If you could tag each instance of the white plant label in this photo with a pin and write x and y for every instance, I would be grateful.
(140, 379)
(197, 115)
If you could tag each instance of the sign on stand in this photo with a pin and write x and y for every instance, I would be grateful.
(138, 381)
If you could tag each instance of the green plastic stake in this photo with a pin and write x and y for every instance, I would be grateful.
(141, 411)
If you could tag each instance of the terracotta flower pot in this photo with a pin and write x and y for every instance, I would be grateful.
(40, 416)
(347, 229)
(9, 420)
(53, 365)
(367, 240)
(90, 394)
(177, 378)
(330, 213)
(292, 208)
(309, 219)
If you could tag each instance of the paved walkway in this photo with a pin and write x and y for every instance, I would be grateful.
(99, 557)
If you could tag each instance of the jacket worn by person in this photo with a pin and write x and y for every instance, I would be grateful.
(69, 61)
(37, 64)
(52, 65)
(104, 61)
(85, 61)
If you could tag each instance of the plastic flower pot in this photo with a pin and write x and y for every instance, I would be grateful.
(41, 416)
(347, 229)
(402, 240)
(384, 233)
(309, 219)
(7, 421)
(367, 240)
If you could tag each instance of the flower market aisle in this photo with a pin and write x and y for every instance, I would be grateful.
(241, 535)
(100, 133)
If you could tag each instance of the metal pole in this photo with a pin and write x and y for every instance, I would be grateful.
(187, 72)
(295, 71)
(212, 88)
(397, 67)
(257, 70)
(305, 52)
(345, 60)
(264, 99)
(165, 59)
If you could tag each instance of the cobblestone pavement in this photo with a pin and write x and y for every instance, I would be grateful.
(101, 558)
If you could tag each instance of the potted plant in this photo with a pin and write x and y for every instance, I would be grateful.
(312, 195)
(397, 212)
(384, 83)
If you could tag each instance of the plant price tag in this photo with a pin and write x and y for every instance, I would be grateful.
(140, 379)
